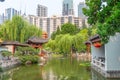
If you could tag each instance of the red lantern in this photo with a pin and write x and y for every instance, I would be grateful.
(97, 44)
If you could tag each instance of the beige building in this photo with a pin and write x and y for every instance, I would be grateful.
(50, 24)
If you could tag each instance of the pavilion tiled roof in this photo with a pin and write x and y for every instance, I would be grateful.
(87, 42)
(95, 38)
(13, 43)
(37, 40)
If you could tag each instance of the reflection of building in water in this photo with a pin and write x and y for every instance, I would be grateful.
(97, 76)
(47, 75)
(50, 75)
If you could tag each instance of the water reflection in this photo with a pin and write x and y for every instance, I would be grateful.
(64, 69)
(55, 69)
(97, 76)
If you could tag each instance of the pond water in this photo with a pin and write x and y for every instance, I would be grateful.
(55, 69)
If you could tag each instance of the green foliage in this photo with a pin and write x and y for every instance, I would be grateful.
(69, 39)
(51, 44)
(1, 69)
(105, 16)
(54, 34)
(27, 54)
(18, 30)
(26, 51)
(92, 31)
(79, 40)
(111, 26)
(94, 6)
(69, 28)
(65, 43)
(32, 58)
(6, 53)
(57, 55)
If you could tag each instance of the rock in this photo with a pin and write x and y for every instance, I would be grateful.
(28, 62)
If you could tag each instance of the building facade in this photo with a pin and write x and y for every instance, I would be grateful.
(105, 57)
(42, 11)
(2, 18)
(10, 12)
(67, 8)
(80, 12)
(50, 24)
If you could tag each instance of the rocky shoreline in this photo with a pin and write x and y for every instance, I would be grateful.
(8, 63)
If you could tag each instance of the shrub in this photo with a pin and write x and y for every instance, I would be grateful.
(32, 58)
(6, 53)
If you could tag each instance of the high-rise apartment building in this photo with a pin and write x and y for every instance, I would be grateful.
(42, 11)
(10, 12)
(67, 8)
(50, 24)
(2, 18)
(80, 12)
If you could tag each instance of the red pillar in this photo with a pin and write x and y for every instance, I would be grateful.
(13, 50)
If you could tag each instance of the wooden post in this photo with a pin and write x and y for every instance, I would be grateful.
(13, 49)
(88, 50)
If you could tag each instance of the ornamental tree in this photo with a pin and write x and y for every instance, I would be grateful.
(105, 14)
(69, 28)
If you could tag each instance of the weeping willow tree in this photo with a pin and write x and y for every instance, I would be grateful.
(79, 40)
(61, 44)
(50, 46)
(53, 46)
(57, 39)
(18, 30)
(65, 44)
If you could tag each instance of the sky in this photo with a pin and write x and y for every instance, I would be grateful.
(29, 6)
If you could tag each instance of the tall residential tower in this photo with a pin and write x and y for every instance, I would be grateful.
(67, 8)
(42, 11)
(80, 12)
(10, 12)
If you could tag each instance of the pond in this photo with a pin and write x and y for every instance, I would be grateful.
(55, 69)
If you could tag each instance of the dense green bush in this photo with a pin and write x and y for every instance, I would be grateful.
(6, 53)
(27, 54)
(1, 69)
(27, 50)
(32, 58)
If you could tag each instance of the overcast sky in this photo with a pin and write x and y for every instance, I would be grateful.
(29, 6)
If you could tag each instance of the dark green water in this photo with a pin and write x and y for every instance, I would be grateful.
(55, 69)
